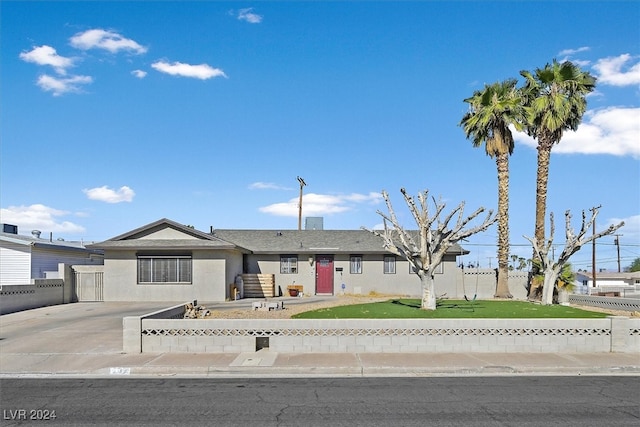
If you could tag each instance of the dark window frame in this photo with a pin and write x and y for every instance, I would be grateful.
(289, 264)
(154, 269)
(355, 264)
(390, 261)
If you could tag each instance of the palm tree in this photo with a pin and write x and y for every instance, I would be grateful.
(555, 100)
(491, 111)
(514, 258)
(565, 281)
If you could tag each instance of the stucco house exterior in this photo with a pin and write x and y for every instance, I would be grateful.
(168, 261)
(329, 262)
(26, 258)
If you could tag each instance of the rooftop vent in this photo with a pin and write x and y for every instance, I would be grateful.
(10, 228)
(36, 233)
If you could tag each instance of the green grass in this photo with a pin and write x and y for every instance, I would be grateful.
(450, 309)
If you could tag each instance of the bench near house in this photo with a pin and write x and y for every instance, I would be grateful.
(168, 261)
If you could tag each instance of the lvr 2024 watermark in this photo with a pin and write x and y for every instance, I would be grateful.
(28, 414)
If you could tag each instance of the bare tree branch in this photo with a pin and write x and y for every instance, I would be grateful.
(551, 268)
(427, 254)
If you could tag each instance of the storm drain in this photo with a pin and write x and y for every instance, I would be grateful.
(262, 343)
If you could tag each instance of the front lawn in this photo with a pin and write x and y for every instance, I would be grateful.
(450, 309)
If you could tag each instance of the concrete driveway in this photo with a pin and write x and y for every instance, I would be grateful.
(57, 338)
(85, 339)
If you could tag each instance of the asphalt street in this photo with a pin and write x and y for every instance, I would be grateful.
(468, 401)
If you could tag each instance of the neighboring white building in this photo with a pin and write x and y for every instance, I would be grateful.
(606, 280)
(25, 258)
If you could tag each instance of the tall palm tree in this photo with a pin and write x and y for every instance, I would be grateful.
(555, 100)
(491, 112)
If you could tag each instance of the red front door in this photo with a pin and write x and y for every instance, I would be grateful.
(324, 274)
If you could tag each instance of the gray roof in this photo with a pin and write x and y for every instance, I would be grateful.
(132, 239)
(612, 275)
(309, 241)
(161, 244)
(255, 241)
(45, 243)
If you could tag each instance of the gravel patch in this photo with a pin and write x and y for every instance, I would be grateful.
(296, 307)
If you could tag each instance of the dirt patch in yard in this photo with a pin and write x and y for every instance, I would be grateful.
(296, 306)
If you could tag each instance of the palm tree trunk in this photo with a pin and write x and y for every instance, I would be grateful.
(502, 287)
(542, 178)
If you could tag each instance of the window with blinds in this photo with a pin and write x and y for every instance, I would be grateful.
(389, 265)
(164, 269)
(288, 264)
(355, 264)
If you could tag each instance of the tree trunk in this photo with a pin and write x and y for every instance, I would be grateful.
(550, 278)
(502, 286)
(542, 179)
(428, 292)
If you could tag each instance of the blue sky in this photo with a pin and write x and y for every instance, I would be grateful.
(116, 114)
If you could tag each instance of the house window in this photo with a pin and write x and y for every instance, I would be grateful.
(164, 269)
(389, 265)
(355, 266)
(288, 264)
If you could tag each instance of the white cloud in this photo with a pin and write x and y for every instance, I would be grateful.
(248, 16)
(580, 63)
(202, 71)
(266, 186)
(569, 52)
(630, 229)
(321, 204)
(108, 195)
(106, 40)
(46, 55)
(60, 86)
(613, 130)
(139, 74)
(618, 70)
(39, 217)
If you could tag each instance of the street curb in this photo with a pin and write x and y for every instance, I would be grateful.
(333, 372)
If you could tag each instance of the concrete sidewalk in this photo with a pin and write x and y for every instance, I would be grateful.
(85, 340)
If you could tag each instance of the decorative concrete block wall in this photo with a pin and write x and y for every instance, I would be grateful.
(619, 334)
(42, 293)
(611, 303)
(132, 326)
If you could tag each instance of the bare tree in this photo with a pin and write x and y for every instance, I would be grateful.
(550, 268)
(424, 250)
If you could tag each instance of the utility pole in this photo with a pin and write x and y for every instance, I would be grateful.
(593, 252)
(617, 242)
(302, 184)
